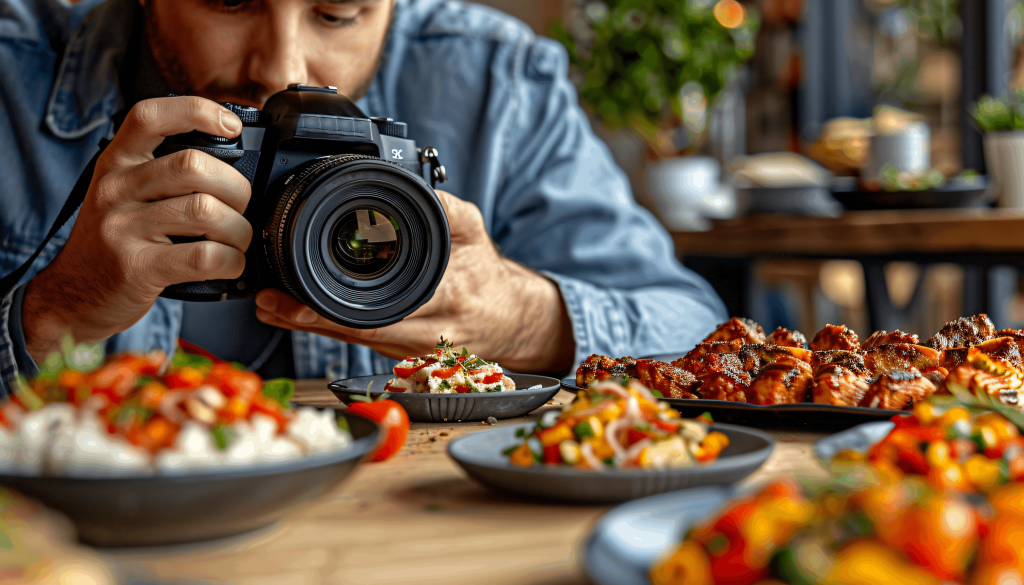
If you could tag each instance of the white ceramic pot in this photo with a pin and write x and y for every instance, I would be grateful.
(685, 191)
(908, 150)
(1004, 157)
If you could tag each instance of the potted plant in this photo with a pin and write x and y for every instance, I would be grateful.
(654, 67)
(1002, 121)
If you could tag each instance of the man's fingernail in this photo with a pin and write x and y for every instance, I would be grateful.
(230, 122)
(266, 302)
(306, 316)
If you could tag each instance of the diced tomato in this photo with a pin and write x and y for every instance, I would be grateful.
(493, 378)
(271, 408)
(463, 389)
(671, 427)
(233, 382)
(157, 434)
(235, 409)
(114, 380)
(151, 394)
(445, 373)
(186, 377)
(635, 436)
(389, 388)
(552, 454)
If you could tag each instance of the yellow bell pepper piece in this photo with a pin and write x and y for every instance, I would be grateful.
(937, 454)
(868, 562)
(522, 456)
(926, 413)
(602, 450)
(689, 565)
(982, 471)
(555, 435)
(609, 414)
(954, 414)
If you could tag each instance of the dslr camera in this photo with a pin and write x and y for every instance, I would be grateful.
(342, 213)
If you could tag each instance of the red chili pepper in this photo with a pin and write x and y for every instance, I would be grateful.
(445, 373)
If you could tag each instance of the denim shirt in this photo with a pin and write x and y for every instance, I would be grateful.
(478, 85)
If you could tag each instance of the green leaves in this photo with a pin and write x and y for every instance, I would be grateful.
(223, 436)
(1000, 114)
(631, 58)
(280, 389)
(182, 359)
(980, 399)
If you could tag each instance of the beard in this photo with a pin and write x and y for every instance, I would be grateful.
(174, 74)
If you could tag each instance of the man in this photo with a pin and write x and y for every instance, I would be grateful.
(551, 259)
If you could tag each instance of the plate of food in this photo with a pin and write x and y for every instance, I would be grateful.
(743, 376)
(846, 532)
(141, 450)
(924, 192)
(612, 444)
(452, 386)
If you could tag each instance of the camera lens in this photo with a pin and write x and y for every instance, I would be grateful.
(362, 241)
(366, 243)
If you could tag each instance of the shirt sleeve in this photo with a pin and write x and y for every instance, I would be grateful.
(565, 209)
(14, 357)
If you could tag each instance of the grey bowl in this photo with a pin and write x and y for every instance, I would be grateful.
(162, 510)
(456, 407)
(480, 455)
(860, 438)
(626, 541)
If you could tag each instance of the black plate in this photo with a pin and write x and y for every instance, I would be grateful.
(480, 454)
(424, 407)
(804, 416)
(160, 510)
(953, 194)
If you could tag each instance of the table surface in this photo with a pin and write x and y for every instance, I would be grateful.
(861, 233)
(416, 518)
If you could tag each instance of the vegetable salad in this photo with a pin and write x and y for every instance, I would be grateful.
(614, 427)
(133, 414)
(447, 372)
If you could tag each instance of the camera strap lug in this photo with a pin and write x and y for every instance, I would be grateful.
(429, 156)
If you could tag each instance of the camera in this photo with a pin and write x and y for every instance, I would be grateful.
(342, 213)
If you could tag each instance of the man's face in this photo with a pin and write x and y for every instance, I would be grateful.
(244, 51)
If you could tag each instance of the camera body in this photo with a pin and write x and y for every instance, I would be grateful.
(343, 216)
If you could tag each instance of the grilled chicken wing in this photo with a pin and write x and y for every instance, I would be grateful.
(670, 380)
(964, 332)
(884, 338)
(900, 357)
(787, 338)
(601, 367)
(981, 372)
(720, 376)
(835, 337)
(781, 383)
(736, 328)
(1002, 349)
(898, 390)
(686, 362)
(1016, 334)
(840, 377)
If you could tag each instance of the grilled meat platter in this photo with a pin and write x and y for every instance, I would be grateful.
(738, 362)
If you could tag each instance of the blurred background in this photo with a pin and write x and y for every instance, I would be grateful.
(843, 161)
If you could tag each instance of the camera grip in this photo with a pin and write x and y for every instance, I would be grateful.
(243, 161)
(207, 290)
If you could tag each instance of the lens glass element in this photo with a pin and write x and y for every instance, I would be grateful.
(365, 243)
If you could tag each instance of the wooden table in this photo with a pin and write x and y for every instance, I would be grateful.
(416, 518)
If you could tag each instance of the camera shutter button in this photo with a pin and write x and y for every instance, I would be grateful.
(389, 127)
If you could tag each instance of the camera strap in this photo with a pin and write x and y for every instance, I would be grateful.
(75, 199)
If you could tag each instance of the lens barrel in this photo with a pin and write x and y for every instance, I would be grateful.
(362, 241)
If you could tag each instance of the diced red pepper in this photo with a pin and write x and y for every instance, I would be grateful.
(463, 389)
(552, 454)
(114, 380)
(635, 436)
(911, 461)
(670, 427)
(405, 372)
(445, 373)
(186, 377)
(493, 378)
(389, 388)
(272, 408)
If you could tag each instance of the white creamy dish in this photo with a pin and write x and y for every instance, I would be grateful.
(448, 372)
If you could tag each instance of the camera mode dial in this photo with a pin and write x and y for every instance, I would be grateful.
(389, 127)
(247, 114)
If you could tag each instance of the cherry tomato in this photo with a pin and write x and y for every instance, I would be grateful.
(394, 424)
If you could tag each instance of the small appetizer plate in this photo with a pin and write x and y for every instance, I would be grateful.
(808, 416)
(860, 438)
(424, 407)
(629, 539)
(162, 510)
(480, 454)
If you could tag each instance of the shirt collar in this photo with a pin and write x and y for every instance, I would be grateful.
(85, 91)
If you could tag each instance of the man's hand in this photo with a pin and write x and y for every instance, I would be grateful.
(119, 257)
(499, 309)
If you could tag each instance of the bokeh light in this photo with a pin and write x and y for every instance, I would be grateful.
(729, 13)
